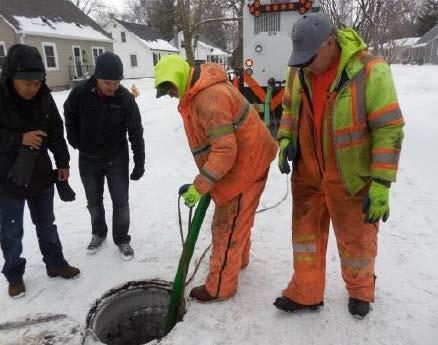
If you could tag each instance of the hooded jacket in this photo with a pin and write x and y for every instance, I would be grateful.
(98, 128)
(230, 143)
(366, 122)
(18, 116)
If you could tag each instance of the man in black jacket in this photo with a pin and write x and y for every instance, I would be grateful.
(98, 114)
(30, 125)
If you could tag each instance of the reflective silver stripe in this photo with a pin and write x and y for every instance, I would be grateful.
(209, 176)
(386, 158)
(201, 149)
(242, 116)
(360, 263)
(220, 131)
(349, 138)
(226, 129)
(361, 111)
(383, 119)
(304, 247)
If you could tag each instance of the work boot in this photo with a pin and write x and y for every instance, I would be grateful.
(286, 304)
(126, 251)
(95, 244)
(359, 309)
(201, 294)
(17, 288)
(66, 272)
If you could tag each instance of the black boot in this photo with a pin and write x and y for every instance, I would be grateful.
(286, 304)
(358, 308)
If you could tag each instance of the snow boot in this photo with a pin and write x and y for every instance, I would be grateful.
(359, 309)
(17, 288)
(66, 272)
(95, 244)
(201, 294)
(126, 251)
(286, 304)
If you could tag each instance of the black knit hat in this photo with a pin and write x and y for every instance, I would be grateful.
(109, 67)
(23, 62)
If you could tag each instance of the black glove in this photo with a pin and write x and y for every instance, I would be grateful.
(21, 171)
(184, 188)
(65, 192)
(137, 173)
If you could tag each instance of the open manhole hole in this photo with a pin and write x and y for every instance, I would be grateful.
(132, 314)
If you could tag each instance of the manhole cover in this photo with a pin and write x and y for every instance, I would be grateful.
(132, 314)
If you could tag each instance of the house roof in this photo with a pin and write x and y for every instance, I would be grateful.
(207, 44)
(428, 36)
(151, 38)
(51, 18)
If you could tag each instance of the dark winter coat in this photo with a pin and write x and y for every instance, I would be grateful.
(98, 127)
(18, 116)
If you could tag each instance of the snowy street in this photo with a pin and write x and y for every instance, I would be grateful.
(406, 307)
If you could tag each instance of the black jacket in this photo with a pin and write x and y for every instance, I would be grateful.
(18, 116)
(98, 128)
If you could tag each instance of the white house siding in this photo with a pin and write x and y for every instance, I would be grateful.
(133, 46)
(7, 34)
(204, 51)
(61, 77)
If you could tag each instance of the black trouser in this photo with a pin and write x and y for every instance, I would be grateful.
(93, 173)
(11, 233)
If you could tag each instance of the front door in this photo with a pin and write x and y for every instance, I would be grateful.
(77, 53)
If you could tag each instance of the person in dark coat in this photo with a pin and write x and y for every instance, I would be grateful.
(30, 125)
(99, 113)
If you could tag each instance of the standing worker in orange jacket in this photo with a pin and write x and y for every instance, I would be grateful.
(342, 128)
(233, 150)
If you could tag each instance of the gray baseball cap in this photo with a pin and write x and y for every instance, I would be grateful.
(308, 34)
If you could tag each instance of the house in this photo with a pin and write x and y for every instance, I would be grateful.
(139, 47)
(68, 40)
(399, 50)
(203, 50)
(426, 49)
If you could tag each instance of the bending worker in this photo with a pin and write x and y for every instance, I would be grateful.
(233, 150)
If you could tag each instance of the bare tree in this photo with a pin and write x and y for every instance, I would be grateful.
(379, 22)
(158, 14)
(89, 7)
(194, 15)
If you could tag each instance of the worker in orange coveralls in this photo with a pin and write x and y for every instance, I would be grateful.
(233, 150)
(342, 127)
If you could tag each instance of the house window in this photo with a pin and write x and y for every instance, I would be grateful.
(123, 34)
(133, 60)
(2, 54)
(50, 56)
(96, 52)
(157, 57)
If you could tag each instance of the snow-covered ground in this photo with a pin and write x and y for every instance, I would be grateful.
(406, 307)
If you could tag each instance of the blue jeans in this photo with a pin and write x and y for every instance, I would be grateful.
(11, 233)
(116, 171)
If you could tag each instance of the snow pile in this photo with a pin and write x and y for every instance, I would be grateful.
(45, 27)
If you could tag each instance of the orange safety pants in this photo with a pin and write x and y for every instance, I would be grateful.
(231, 232)
(313, 208)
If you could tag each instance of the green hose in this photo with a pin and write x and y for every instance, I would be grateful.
(268, 99)
(184, 262)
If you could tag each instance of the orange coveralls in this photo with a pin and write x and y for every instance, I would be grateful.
(233, 150)
(318, 197)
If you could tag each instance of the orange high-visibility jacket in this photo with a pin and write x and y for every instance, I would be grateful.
(230, 143)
